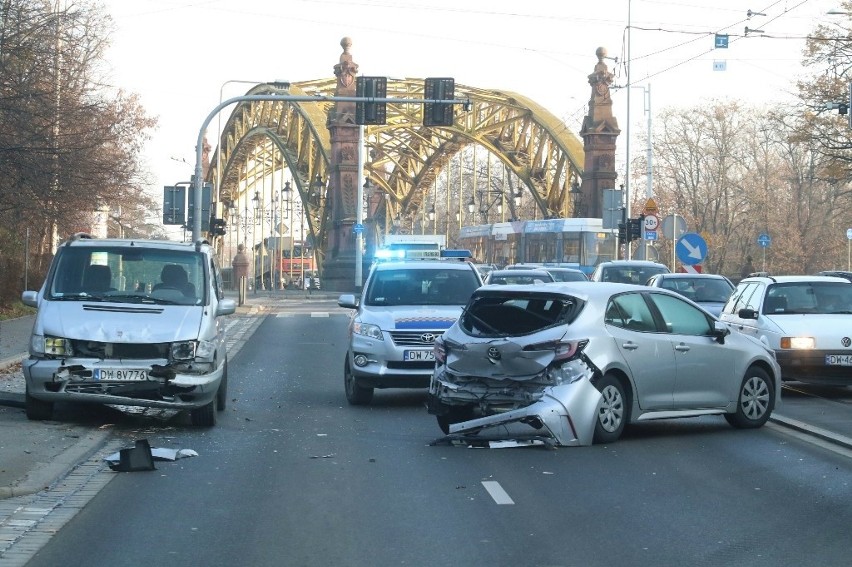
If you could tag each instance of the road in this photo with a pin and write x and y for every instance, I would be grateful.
(292, 475)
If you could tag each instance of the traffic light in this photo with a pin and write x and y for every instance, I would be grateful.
(371, 112)
(622, 233)
(218, 226)
(438, 113)
(636, 228)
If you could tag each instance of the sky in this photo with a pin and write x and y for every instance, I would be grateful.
(184, 56)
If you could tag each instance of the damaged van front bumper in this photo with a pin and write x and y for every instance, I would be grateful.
(146, 383)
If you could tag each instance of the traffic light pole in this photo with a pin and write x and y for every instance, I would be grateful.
(199, 146)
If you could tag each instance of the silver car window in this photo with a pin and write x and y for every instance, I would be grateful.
(680, 317)
(632, 313)
(516, 314)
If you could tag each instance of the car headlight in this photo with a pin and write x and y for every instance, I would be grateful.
(50, 346)
(798, 343)
(367, 330)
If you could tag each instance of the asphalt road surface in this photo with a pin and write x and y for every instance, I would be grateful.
(292, 475)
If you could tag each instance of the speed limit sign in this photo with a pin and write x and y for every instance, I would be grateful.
(652, 222)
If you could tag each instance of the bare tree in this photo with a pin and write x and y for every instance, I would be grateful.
(69, 145)
(734, 172)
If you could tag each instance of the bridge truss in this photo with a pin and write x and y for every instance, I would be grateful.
(264, 139)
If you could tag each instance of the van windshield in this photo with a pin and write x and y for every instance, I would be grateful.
(128, 275)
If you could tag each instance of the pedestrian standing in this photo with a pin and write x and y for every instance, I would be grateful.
(748, 268)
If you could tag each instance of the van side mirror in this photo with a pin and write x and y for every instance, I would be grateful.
(226, 307)
(30, 298)
(747, 313)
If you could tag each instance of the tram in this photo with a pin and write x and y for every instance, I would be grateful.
(573, 242)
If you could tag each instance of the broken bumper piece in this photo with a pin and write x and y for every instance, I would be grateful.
(566, 414)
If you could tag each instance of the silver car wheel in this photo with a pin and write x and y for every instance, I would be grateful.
(755, 397)
(612, 409)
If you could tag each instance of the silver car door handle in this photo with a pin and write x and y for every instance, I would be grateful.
(681, 348)
(629, 345)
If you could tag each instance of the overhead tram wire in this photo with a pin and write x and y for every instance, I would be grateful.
(737, 37)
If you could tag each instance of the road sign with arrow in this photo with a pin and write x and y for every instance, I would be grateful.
(691, 249)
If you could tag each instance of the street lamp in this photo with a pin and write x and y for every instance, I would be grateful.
(576, 195)
(318, 185)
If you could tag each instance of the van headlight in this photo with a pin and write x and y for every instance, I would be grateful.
(50, 346)
(200, 351)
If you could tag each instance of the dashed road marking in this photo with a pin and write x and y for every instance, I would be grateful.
(496, 491)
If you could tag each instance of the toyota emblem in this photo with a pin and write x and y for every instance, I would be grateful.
(427, 338)
(846, 341)
(493, 353)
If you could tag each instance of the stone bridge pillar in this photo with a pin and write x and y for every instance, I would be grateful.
(599, 133)
(339, 266)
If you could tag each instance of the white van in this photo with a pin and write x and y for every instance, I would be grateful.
(129, 322)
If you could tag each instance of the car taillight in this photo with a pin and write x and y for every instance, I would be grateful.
(440, 351)
(564, 350)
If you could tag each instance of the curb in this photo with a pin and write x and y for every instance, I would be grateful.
(42, 477)
(812, 430)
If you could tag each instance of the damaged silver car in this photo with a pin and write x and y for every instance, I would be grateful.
(573, 363)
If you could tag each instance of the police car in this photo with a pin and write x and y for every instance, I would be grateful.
(405, 305)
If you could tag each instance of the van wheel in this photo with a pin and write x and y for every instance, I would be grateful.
(222, 392)
(356, 395)
(205, 416)
(37, 410)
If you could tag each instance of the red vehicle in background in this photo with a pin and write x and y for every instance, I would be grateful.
(295, 262)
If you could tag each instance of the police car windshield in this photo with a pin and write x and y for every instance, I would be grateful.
(421, 286)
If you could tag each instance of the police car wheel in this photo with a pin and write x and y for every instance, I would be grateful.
(356, 395)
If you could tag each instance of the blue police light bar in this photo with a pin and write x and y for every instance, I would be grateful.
(385, 254)
(459, 253)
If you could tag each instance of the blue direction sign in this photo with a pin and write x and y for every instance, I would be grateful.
(721, 41)
(358, 228)
(691, 249)
(764, 240)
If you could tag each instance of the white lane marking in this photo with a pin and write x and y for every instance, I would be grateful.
(496, 491)
(312, 314)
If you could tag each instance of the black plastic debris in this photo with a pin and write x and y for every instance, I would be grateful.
(134, 459)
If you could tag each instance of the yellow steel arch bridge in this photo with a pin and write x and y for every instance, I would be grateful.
(264, 141)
